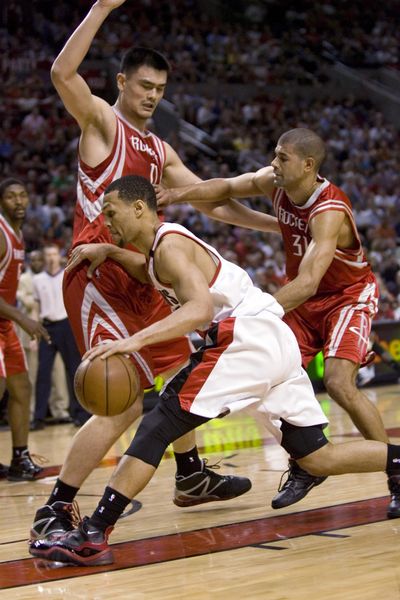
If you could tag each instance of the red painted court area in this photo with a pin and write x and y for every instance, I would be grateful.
(205, 541)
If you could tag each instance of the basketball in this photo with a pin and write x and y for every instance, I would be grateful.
(107, 387)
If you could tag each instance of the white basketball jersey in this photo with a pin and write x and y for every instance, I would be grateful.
(232, 290)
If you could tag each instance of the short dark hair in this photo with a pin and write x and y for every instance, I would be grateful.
(7, 182)
(137, 56)
(306, 142)
(134, 187)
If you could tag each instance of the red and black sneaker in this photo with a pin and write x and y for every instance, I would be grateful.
(86, 546)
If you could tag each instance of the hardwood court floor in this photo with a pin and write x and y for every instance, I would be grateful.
(336, 544)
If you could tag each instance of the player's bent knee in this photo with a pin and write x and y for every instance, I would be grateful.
(164, 424)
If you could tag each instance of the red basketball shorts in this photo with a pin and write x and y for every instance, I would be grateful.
(113, 306)
(337, 324)
(12, 355)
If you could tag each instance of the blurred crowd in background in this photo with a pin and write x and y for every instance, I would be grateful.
(263, 44)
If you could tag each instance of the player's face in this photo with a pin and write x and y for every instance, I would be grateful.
(289, 167)
(119, 218)
(142, 90)
(14, 202)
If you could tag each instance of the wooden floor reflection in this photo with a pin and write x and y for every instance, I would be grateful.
(336, 543)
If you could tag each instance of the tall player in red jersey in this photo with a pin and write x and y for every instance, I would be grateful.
(331, 295)
(111, 305)
(13, 366)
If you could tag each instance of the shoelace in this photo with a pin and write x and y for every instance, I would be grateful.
(215, 466)
(75, 513)
(39, 459)
(288, 472)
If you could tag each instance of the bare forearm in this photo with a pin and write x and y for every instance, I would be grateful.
(293, 294)
(76, 48)
(132, 262)
(212, 190)
(184, 320)
(8, 311)
(233, 212)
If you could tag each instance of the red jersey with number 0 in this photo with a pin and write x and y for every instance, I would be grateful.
(133, 153)
(10, 264)
(348, 266)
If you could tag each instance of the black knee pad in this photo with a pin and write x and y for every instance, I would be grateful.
(301, 441)
(164, 424)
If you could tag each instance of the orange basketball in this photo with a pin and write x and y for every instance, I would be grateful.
(107, 387)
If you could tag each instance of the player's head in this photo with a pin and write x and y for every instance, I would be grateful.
(128, 202)
(299, 153)
(141, 81)
(13, 199)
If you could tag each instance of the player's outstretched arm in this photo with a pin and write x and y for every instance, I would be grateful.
(72, 88)
(134, 263)
(214, 197)
(317, 258)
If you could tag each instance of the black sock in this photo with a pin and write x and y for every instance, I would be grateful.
(393, 460)
(19, 451)
(109, 509)
(62, 492)
(188, 462)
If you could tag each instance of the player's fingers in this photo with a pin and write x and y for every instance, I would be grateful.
(74, 260)
(93, 266)
(109, 352)
(92, 353)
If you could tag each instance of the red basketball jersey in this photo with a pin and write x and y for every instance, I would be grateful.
(10, 264)
(134, 153)
(348, 266)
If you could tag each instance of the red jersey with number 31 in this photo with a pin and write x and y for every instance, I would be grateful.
(133, 153)
(348, 266)
(10, 264)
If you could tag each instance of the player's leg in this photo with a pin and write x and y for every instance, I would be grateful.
(93, 440)
(22, 467)
(340, 382)
(298, 482)
(88, 545)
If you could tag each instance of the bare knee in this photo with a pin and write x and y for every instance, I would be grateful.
(340, 388)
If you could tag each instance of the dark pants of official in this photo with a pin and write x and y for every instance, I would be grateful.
(62, 341)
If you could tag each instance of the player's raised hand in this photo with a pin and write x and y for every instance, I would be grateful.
(95, 253)
(111, 4)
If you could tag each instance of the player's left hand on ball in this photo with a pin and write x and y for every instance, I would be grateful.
(126, 346)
